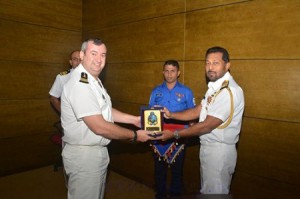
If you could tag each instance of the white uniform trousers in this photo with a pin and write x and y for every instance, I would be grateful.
(86, 168)
(217, 167)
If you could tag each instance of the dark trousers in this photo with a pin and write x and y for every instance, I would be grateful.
(161, 170)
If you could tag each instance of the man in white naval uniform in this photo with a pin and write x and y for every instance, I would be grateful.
(60, 80)
(220, 116)
(88, 121)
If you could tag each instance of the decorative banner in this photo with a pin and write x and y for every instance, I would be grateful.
(168, 150)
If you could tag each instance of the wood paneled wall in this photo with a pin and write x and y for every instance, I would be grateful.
(262, 37)
(36, 37)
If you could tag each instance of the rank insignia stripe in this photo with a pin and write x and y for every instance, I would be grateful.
(65, 72)
(84, 78)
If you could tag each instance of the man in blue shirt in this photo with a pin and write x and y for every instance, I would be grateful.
(176, 97)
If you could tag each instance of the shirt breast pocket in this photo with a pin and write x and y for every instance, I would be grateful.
(179, 103)
(158, 100)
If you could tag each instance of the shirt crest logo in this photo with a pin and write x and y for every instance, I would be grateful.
(152, 119)
(180, 95)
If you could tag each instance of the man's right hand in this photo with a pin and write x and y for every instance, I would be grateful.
(144, 136)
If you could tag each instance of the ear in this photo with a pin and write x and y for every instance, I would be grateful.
(70, 61)
(81, 54)
(178, 74)
(227, 66)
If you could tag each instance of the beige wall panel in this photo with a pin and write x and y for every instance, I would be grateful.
(110, 13)
(133, 82)
(157, 39)
(194, 77)
(270, 149)
(62, 14)
(200, 4)
(27, 80)
(253, 30)
(270, 86)
(27, 42)
(27, 152)
(36, 39)
(26, 117)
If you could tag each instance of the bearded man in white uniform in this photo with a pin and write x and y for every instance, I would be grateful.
(220, 117)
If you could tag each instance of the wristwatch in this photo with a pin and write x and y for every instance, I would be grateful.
(176, 134)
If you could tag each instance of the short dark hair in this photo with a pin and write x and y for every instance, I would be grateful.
(95, 41)
(172, 62)
(218, 49)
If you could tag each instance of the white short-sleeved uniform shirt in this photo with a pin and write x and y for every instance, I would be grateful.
(220, 108)
(82, 96)
(60, 80)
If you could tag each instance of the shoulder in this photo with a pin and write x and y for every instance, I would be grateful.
(84, 78)
(78, 80)
(184, 88)
(79, 75)
(237, 91)
(65, 72)
(233, 85)
(78, 85)
(158, 88)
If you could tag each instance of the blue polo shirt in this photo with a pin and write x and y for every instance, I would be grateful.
(179, 98)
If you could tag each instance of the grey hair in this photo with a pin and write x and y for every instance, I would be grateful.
(95, 41)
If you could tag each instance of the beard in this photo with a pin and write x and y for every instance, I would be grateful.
(212, 76)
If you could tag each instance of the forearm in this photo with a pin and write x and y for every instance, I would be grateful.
(187, 115)
(107, 129)
(201, 128)
(113, 131)
(122, 117)
(198, 129)
(55, 103)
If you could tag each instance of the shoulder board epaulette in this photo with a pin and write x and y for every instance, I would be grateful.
(84, 78)
(224, 84)
(65, 72)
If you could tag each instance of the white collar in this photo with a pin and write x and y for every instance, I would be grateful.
(215, 86)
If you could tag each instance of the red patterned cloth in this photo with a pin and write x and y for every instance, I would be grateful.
(168, 150)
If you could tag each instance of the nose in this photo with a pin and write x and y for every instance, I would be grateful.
(98, 58)
(209, 66)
